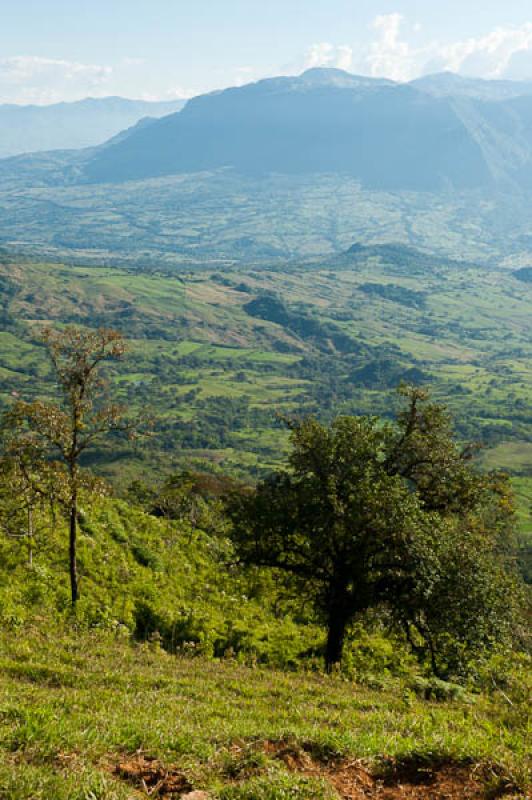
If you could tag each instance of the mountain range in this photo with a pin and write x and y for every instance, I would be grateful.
(435, 133)
(314, 123)
(431, 135)
(291, 166)
(66, 126)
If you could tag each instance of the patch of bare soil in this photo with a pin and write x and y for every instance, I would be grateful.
(151, 777)
(351, 779)
(443, 782)
(412, 780)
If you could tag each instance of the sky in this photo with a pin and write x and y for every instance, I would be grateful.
(63, 50)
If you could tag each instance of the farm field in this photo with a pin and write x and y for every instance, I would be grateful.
(216, 357)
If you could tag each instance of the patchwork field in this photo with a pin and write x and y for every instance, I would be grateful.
(215, 357)
(221, 218)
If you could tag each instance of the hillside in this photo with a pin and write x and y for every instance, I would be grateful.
(216, 355)
(265, 401)
(68, 126)
(170, 673)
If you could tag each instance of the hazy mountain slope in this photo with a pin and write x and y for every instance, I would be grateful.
(286, 168)
(447, 84)
(85, 123)
(388, 136)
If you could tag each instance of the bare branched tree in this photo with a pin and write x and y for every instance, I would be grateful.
(81, 417)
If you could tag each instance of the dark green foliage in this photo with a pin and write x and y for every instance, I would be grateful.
(369, 514)
(386, 373)
(270, 307)
(397, 294)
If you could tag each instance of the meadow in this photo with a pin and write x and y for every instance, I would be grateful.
(92, 716)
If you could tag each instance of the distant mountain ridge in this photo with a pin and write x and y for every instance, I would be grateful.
(290, 168)
(399, 137)
(321, 121)
(448, 84)
(69, 126)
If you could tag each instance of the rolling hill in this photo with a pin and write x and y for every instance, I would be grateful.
(217, 353)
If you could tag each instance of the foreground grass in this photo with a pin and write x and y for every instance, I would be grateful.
(73, 706)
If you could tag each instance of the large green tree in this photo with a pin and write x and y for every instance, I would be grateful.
(369, 513)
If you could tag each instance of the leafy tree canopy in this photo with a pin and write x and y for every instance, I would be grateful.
(373, 514)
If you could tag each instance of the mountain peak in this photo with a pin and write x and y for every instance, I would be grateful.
(320, 73)
(332, 76)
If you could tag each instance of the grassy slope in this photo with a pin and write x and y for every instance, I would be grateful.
(74, 706)
(78, 699)
(145, 574)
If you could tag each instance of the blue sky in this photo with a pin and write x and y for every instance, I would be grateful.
(54, 50)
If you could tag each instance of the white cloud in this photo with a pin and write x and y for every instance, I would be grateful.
(389, 56)
(325, 54)
(503, 52)
(33, 79)
(395, 48)
(489, 56)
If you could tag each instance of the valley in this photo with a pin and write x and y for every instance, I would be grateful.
(217, 354)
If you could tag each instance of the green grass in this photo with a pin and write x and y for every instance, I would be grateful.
(523, 491)
(74, 705)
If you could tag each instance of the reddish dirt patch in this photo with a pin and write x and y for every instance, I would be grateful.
(444, 782)
(412, 780)
(152, 777)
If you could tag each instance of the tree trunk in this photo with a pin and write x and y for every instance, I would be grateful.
(336, 625)
(30, 537)
(72, 546)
